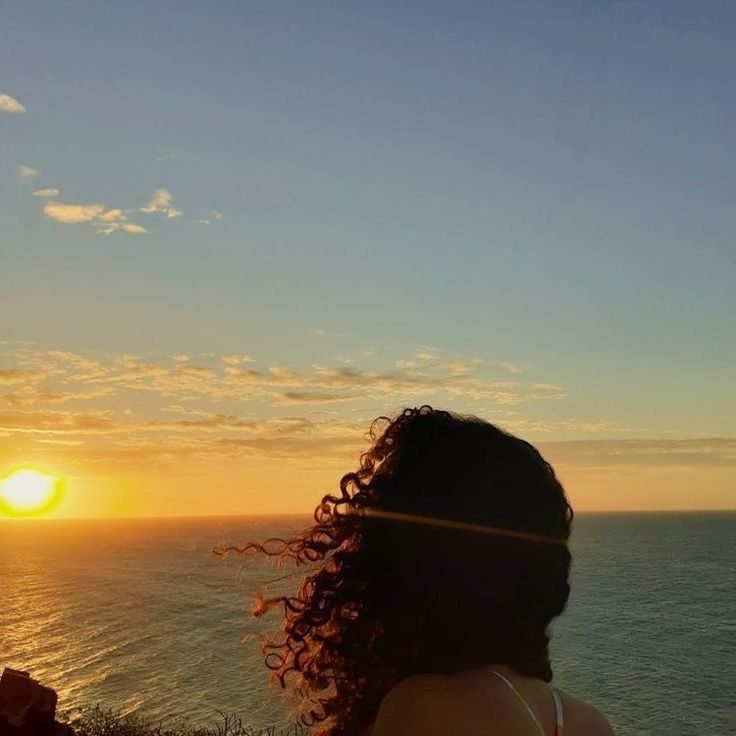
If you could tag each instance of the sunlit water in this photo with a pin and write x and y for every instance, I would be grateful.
(139, 615)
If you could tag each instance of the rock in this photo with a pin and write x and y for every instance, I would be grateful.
(27, 708)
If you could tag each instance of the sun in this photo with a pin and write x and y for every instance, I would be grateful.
(27, 492)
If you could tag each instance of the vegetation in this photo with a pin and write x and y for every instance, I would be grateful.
(100, 721)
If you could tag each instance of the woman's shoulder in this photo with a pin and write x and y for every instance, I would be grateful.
(440, 704)
(424, 704)
(582, 717)
(435, 705)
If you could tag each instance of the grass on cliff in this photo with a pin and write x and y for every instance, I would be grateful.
(100, 721)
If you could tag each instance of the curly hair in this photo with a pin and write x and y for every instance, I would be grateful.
(387, 598)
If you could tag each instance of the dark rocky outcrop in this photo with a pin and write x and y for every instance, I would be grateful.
(27, 708)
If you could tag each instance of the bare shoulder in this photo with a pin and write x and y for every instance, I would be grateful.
(435, 705)
(419, 704)
(582, 717)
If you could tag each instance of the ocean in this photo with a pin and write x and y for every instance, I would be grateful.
(138, 615)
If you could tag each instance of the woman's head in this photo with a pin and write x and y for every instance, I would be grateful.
(397, 592)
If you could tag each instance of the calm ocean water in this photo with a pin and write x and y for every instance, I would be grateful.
(139, 615)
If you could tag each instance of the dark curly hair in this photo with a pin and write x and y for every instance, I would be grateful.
(476, 581)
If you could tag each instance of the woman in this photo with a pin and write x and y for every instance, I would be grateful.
(438, 569)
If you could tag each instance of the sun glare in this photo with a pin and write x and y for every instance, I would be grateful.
(28, 492)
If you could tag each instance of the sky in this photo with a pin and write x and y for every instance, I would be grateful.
(233, 233)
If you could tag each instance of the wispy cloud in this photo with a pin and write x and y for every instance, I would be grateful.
(237, 359)
(314, 397)
(167, 156)
(237, 378)
(27, 172)
(11, 105)
(55, 422)
(127, 227)
(131, 411)
(30, 395)
(215, 215)
(14, 375)
(49, 193)
(161, 202)
(511, 368)
(644, 452)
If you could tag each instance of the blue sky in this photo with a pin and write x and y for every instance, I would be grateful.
(548, 185)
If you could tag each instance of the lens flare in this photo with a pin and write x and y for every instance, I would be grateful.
(28, 492)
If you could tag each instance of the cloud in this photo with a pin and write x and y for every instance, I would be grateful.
(51, 192)
(27, 172)
(42, 422)
(306, 397)
(213, 421)
(127, 227)
(587, 426)
(197, 370)
(463, 367)
(14, 375)
(167, 156)
(208, 220)
(232, 377)
(110, 221)
(720, 451)
(224, 409)
(73, 213)
(31, 396)
(161, 202)
(425, 376)
(312, 448)
(90, 367)
(11, 105)
(511, 368)
(107, 221)
(237, 359)
(112, 216)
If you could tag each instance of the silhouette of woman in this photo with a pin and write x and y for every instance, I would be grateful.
(435, 574)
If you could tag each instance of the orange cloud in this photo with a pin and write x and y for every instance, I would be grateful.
(50, 192)
(73, 213)
(161, 202)
(11, 105)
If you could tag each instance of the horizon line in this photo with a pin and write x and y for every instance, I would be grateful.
(183, 517)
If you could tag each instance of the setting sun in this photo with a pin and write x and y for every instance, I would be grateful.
(28, 492)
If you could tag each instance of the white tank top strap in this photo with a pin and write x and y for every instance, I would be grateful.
(558, 711)
(518, 695)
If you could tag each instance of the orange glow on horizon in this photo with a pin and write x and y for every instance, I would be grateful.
(267, 487)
